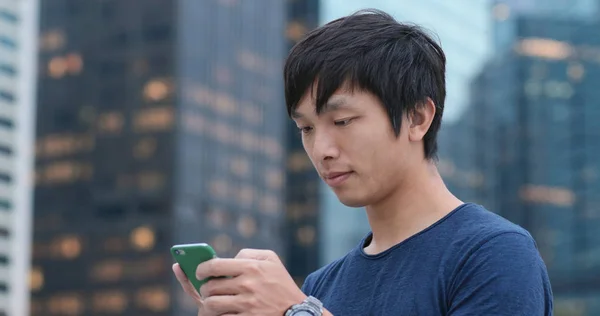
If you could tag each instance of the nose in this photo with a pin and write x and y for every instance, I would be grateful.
(324, 146)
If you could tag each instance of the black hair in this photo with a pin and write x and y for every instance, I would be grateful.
(369, 50)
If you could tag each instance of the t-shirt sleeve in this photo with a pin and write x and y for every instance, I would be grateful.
(505, 276)
(309, 284)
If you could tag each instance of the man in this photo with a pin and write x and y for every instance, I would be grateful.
(367, 94)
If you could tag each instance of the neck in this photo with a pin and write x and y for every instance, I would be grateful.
(414, 205)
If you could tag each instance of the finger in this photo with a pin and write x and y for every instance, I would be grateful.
(225, 286)
(257, 254)
(220, 267)
(185, 282)
(222, 305)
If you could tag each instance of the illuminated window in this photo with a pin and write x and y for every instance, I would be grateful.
(155, 299)
(58, 145)
(224, 133)
(36, 307)
(36, 279)
(545, 48)
(246, 226)
(107, 271)
(299, 161)
(295, 31)
(222, 243)
(306, 235)
(548, 195)
(111, 122)
(501, 11)
(66, 304)
(109, 302)
(57, 67)
(52, 40)
(144, 148)
(68, 247)
(67, 171)
(154, 119)
(74, 63)
(142, 238)
(157, 89)
(274, 178)
(253, 62)
(240, 166)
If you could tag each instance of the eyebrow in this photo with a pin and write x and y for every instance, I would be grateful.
(331, 105)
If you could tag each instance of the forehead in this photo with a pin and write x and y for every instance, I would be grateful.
(344, 99)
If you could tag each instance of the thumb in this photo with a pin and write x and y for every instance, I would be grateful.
(258, 254)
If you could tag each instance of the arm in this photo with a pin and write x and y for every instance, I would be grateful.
(505, 276)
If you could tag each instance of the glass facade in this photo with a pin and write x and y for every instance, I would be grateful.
(159, 123)
(537, 105)
(302, 231)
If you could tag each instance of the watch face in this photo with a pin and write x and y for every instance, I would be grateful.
(303, 313)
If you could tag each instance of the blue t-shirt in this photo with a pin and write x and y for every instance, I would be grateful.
(471, 262)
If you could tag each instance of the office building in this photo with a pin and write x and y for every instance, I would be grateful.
(18, 41)
(538, 133)
(303, 198)
(159, 123)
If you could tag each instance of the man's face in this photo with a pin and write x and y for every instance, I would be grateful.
(353, 146)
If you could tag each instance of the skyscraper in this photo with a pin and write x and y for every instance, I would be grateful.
(303, 196)
(539, 119)
(160, 122)
(18, 41)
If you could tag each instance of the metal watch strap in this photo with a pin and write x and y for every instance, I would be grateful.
(310, 304)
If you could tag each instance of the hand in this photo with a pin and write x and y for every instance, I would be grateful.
(258, 284)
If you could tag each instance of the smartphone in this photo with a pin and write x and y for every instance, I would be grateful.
(189, 256)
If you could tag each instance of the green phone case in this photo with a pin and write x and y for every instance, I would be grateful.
(189, 256)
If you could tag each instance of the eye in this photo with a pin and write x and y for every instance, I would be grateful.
(343, 122)
(305, 130)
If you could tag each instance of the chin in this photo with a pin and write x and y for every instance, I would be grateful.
(351, 200)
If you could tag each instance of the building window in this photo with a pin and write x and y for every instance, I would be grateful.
(8, 16)
(5, 205)
(4, 232)
(7, 96)
(3, 287)
(154, 119)
(5, 177)
(5, 150)
(36, 279)
(110, 302)
(3, 260)
(66, 304)
(155, 299)
(8, 70)
(7, 42)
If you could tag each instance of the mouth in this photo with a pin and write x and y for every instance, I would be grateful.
(335, 179)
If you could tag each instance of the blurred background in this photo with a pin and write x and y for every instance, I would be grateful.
(127, 126)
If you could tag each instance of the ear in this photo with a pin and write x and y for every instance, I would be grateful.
(420, 120)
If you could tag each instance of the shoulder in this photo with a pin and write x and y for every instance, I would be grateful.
(313, 281)
(496, 257)
(474, 225)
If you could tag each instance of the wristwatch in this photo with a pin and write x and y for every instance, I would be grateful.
(309, 307)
